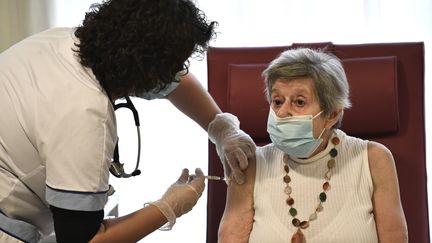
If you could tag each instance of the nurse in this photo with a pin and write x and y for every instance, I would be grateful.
(57, 121)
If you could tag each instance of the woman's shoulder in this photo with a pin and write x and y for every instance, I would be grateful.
(380, 157)
(374, 149)
(267, 150)
(267, 158)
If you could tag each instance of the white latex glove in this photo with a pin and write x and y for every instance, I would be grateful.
(233, 146)
(181, 196)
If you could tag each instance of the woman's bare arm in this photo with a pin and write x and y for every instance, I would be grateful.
(388, 212)
(237, 219)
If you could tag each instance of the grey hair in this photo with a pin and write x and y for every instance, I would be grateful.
(326, 71)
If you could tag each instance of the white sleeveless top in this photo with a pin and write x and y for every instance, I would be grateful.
(348, 210)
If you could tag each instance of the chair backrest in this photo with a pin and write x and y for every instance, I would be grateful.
(387, 92)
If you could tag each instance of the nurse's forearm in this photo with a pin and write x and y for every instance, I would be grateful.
(132, 227)
(193, 100)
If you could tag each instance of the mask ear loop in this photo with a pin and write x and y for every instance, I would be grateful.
(319, 137)
(117, 168)
(319, 113)
(322, 132)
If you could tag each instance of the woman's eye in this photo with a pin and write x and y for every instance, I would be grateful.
(299, 103)
(277, 102)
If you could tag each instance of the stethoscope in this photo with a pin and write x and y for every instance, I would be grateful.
(117, 168)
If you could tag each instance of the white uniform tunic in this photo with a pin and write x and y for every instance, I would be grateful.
(57, 130)
(348, 211)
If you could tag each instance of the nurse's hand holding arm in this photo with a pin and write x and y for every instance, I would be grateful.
(233, 146)
(179, 199)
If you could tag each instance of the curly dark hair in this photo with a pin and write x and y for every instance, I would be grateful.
(137, 46)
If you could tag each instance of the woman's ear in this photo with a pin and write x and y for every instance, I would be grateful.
(333, 118)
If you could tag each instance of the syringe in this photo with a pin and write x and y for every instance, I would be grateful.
(212, 178)
(216, 178)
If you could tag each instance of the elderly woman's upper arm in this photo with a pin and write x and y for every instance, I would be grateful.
(237, 219)
(388, 212)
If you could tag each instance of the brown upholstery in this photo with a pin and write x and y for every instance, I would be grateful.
(387, 93)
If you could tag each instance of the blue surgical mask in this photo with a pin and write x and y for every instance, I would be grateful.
(294, 134)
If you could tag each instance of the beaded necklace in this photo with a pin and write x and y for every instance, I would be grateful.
(298, 237)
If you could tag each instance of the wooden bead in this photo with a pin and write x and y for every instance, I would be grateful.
(285, 158)
(290, 201)
(313, 216)
(328, 175)
(288, 190)
(335, 141)
(331, 163)
(293, 212)
(323, 196)
(304, 224)
(286, 168)
(326, 186)
(296, 222)
(333, 152)
(298, 237)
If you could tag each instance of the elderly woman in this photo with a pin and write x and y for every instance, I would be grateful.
(313, 183)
